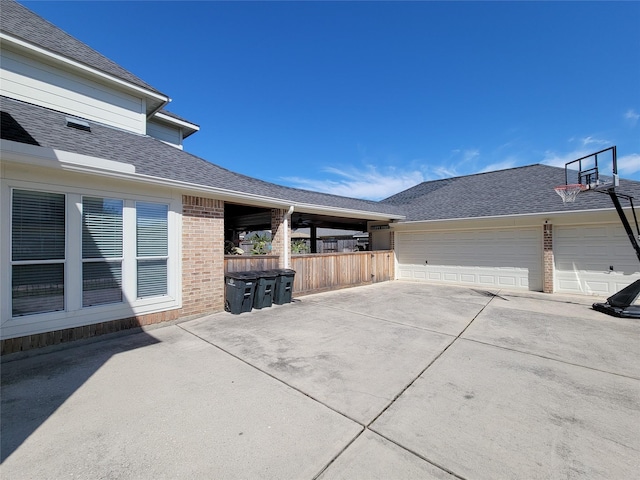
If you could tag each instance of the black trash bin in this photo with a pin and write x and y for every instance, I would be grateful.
(284, 286)
(265, 286)
(239, 291)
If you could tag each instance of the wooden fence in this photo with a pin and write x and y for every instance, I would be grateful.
(324, 271)
(244, 263)
(331, 271)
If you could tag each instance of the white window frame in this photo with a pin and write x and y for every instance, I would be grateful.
(75, 314)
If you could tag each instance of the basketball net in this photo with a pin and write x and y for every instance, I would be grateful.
(568, 193)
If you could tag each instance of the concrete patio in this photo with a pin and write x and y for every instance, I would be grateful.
(396, 380)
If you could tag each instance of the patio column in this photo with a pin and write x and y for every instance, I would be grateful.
(548, 261)
(202, 255)
(313, 234)
(281, 236)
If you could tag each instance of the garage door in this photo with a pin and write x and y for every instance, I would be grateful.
(507, 258)
(593, 260)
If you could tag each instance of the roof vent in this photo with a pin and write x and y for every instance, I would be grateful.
(78, 124)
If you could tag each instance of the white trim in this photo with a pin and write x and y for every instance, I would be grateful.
(49, 157)
(175, 121)
(498, 217)
(85, 68)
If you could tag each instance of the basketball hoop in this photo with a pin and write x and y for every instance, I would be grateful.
(568, 193)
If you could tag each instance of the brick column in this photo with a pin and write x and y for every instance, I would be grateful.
(202, 255)
(548, 262)
(281, 236)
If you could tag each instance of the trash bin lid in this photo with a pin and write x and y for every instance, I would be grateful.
(266, 273)
(241, 275)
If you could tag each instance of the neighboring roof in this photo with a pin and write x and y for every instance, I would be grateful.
(22, 23)
(515, 191)
(26, 123)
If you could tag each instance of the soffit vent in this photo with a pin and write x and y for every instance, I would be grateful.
(78, 124)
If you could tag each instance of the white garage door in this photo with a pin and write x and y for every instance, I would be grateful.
(506, 258)
(584, 256)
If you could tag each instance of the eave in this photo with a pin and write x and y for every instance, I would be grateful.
(25, 154)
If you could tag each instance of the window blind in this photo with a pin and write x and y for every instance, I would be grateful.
(152, 241)
(37, 226)
(101, 228)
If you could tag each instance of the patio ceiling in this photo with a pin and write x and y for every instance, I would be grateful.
(247, 218)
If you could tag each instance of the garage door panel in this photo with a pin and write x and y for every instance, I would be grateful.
(583, 255)
(597, 287)
(508, 257)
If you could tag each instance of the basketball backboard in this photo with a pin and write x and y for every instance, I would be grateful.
(596, 171)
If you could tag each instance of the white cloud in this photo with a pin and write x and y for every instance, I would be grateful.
(370, 183)
(470, 155)
(505, 164)
(632, 116)
(445, 172)
(629, 165)
(594, 141)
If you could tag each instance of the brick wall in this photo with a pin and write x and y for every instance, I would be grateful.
(202, 255)
(202, 280)
(548, 261)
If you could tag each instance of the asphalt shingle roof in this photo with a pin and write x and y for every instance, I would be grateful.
(515, 191)
(26, 123)
(22, 23)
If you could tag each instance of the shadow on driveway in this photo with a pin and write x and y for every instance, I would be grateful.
(34, 388)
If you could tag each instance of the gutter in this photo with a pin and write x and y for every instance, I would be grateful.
(498, 217)
(541, 215)
(287, 239)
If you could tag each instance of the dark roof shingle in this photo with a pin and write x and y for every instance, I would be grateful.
(515, 191)
(152, 157)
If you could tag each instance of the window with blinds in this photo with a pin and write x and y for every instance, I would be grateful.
(152, 247)
(101, 251)
(37, 252)
(107, 257)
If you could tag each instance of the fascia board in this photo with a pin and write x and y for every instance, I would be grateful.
(540, 215)
(175, 121)
(347, 212)
(85, 68)
(47, 157)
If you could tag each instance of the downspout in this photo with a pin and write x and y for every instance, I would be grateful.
(287, 241)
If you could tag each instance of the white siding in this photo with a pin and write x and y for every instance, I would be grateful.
(497, 258)
(165, 133)
(584, 254)
(33, 81)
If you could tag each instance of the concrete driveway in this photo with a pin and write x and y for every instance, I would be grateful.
(391, 381)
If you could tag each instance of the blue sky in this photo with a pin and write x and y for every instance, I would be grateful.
(366, 99)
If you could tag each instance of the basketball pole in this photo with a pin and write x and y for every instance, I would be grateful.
(615, 198)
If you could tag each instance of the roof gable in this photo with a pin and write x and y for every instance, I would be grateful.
(20, 22)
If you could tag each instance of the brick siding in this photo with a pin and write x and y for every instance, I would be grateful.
(202, 255)
(278, 236)
(548, 261)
